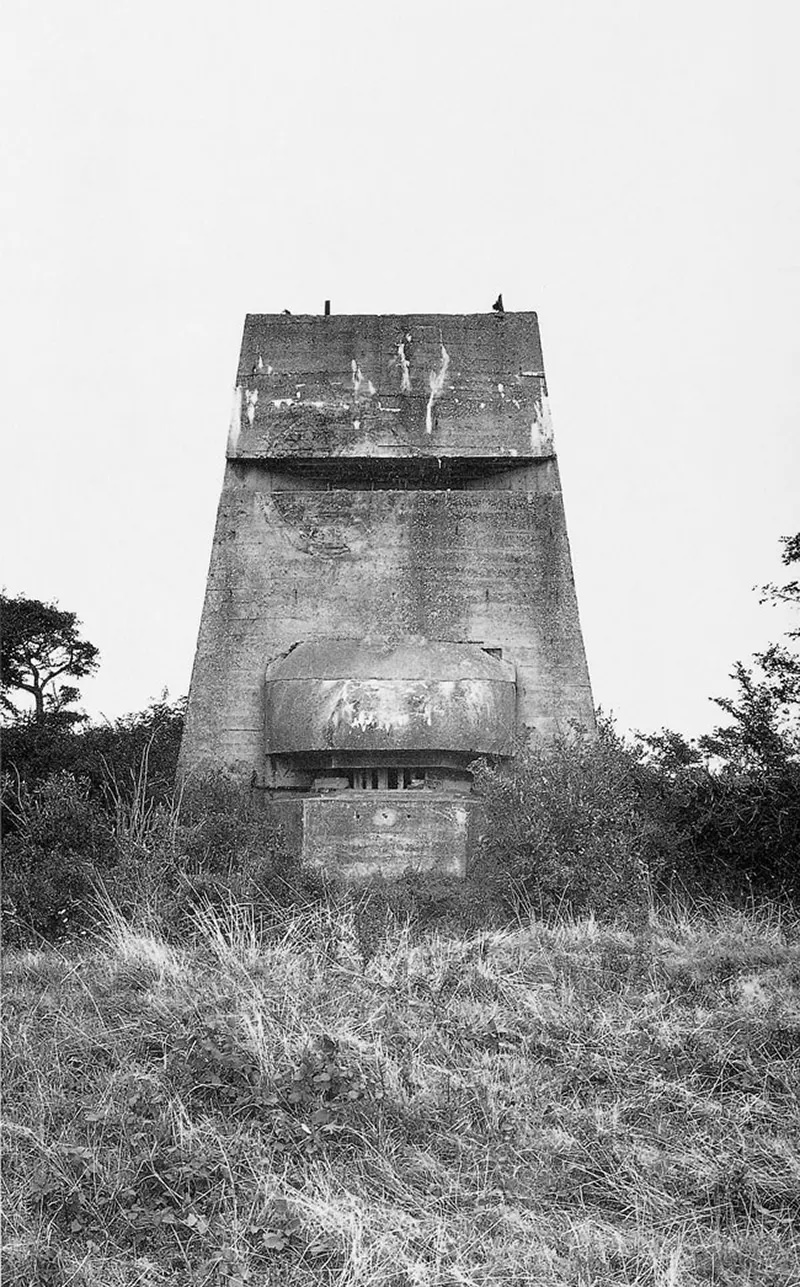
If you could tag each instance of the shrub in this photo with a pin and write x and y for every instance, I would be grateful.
(212, 845)
(581, 824)
(134, 755)
(137, 753)
(61, 844)
(740, 832)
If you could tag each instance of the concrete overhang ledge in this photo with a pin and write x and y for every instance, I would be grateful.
(414, 658)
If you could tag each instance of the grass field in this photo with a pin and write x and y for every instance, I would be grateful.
(341, 1102)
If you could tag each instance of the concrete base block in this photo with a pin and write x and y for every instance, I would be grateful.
(381, 833)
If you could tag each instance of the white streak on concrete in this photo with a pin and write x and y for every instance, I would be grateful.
(542, 427)
(405, 382)
(236, 419)
(251, 398)
(436, 380)
(361, 386)
(282, 402)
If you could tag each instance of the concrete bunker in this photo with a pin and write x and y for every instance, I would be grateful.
(390, 593)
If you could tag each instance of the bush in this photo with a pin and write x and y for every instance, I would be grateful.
(581, 825)
(137, 754)
(584, 825)
(32, 752)
(59, 847)
(740, 832)
(604, 825)
(211, 845)
(214, 845)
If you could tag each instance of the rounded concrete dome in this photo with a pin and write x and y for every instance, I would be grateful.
(349, 695)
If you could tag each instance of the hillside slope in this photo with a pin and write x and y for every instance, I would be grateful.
(553, 1104)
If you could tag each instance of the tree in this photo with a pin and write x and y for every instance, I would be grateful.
(40, 643)
(765, 733)
(790, 592)
(738, 787)
(765, 713)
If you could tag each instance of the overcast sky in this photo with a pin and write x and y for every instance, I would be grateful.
(631, 171)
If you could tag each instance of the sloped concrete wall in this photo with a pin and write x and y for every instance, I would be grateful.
(485, 567)
(301, 553)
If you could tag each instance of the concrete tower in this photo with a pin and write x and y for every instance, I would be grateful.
(390, 592)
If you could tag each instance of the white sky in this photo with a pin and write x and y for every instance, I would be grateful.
(630, 171)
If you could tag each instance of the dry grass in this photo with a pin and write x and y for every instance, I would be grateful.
(344, 1104)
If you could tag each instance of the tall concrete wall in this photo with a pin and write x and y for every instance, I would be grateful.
(387, 477)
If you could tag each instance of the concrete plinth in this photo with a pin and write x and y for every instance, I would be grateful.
(382, 833)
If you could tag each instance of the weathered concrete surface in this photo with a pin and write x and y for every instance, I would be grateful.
(431, 384)
(492, 568)
(349, 695)
(433, 531)
(381, 832)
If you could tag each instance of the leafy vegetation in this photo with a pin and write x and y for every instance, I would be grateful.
(73, 803)
(160, 859)
(609, 823)
(40, 643)
(580, 824)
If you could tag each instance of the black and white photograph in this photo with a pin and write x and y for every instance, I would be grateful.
(400, 643)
